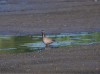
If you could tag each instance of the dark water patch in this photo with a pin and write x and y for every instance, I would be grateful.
(30, 43)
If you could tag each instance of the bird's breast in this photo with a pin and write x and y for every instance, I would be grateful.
(47, 40)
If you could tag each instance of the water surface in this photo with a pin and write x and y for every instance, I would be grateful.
(30, 43)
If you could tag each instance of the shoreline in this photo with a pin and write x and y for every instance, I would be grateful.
(81, 19)
(76, 59)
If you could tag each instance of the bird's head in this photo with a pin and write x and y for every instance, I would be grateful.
(43, 33)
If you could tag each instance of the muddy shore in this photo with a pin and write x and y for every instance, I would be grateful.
(78, 19)
(71, 60)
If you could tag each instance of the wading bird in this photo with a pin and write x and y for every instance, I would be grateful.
(46, 40)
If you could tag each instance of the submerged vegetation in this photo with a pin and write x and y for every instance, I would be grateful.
(20, 44)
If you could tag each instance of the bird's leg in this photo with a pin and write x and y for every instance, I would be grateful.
(46, 45)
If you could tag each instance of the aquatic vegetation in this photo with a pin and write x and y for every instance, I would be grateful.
(26, 43)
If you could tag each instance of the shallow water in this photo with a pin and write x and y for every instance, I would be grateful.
(30, 43)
